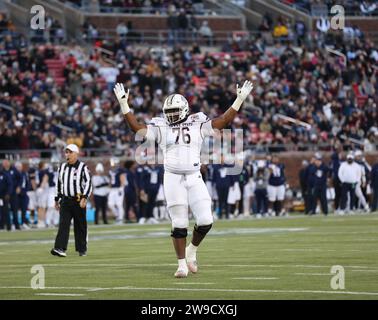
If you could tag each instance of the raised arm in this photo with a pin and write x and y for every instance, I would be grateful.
(122, 97)
(226, 118)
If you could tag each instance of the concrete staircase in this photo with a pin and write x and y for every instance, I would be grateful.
(55, 69)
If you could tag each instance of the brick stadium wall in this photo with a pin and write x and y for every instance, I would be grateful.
(291, 160)
(365, 24)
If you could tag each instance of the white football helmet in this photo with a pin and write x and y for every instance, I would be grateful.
(175, 108)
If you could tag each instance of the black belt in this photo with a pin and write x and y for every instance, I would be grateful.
(65, 198)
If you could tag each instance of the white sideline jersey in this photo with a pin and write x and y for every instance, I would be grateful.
(181, 143)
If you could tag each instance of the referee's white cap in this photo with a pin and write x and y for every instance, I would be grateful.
(73, 147)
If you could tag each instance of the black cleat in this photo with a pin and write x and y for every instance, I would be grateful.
(83, 254)
(58, 252)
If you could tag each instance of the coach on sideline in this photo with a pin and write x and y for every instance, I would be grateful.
(73, 188)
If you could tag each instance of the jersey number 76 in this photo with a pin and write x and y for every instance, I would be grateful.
(185, 134)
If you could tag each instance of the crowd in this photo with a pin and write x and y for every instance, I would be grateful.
(144, 6)
(334, 98)
(133, 193)
(304, 82)
(351, 7)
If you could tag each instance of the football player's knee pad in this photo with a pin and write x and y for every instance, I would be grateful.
(202, 212)
(203, 230)
(178, 233)
(179, 216)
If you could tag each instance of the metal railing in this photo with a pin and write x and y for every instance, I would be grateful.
(166, 36)
(352, 10)
(36, 118)
(170, 37)
(296, 6)
(148, 10)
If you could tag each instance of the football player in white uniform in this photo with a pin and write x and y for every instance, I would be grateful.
(179, 135)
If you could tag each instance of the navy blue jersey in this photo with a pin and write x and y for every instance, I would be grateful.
(130, 188)
(15, 177)
(311, 168)
(24, 183)
(277, 175)
(335, 165)
(303, 174)
(41, 175)
(152, 178)
(221, 177)
(6, 185)
(139, 177)
(374, 176)
(210, 173)
(51, 173)
(115, 177)
(33, 175)
(319, 175)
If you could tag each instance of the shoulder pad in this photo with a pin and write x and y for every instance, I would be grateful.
(198, 117)
(157, 121)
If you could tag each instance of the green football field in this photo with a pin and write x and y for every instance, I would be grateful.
(276, 258)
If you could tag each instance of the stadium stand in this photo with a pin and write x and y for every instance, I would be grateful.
(56, 90)
(351, 7)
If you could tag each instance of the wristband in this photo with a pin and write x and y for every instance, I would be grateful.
(237, 104)
(124, 106)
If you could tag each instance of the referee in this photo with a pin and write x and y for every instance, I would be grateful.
(73, 188)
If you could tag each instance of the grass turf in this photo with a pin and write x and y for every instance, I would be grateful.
(277, 258)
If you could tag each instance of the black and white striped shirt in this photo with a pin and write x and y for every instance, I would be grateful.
(73, 181)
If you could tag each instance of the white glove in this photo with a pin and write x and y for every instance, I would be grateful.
(242, 94)
(122, 97)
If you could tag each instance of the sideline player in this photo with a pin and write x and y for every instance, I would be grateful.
(276, 187)
(179, 135)
(116, 195)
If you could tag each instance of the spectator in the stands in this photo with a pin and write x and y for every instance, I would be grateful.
(173, 26)
(266, 22)
(122, 30)
(280, 30)
(300, 30)
(368, 7)
(182, 26)
(206, 32)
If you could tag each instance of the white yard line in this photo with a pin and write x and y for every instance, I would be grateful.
(255, 278)
(305, 249)
(175, 264)
(130, 288)
(126, 231)
(61, 294)
(313, 274)
(147, 234)
(200, 283)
